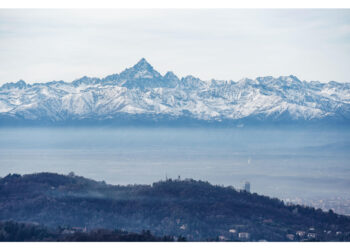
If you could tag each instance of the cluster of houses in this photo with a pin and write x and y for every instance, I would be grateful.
(235, 234)
(310, 234)
(303, 235)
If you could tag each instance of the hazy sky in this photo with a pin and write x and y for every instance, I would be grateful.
(45, 45)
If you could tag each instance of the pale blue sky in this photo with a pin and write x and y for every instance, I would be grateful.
(45, 45)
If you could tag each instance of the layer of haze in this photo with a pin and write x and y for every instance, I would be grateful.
(278, 162)
(44, 45)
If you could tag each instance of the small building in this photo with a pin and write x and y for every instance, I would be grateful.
(222, 238)
(300, 233)
(183, 227)
(311, 235)
(244, 235)
(290, 236)
(232, 231)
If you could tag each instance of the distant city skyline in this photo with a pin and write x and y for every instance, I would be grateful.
(225, 44)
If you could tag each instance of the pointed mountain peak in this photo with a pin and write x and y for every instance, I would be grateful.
(142, 69)
(170, 76)
(170, 73)
(294, 78)
(143, 64)
(143, 61)
(20, 83)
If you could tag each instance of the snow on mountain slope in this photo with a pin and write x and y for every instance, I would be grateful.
(141, 90)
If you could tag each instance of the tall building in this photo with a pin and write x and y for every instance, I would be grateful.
(247, 186)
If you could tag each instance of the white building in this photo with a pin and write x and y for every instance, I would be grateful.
(244, 235)
(311, 235)
(300, 233)
(290, 236)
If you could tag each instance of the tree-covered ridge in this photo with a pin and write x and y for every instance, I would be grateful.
(196, 210)
(14, 231)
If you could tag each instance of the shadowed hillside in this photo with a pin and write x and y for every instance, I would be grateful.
(196, 210)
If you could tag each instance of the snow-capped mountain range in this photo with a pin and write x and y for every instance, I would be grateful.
(140, 93)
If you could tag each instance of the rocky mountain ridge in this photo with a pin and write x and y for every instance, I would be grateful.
(144, 94)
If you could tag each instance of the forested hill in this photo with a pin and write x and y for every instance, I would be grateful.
(196, 210)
